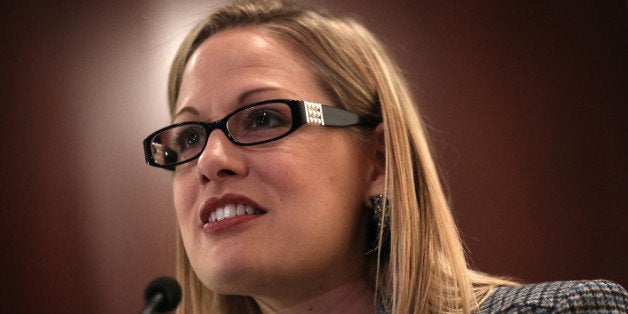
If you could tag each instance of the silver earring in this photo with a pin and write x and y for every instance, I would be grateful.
(381, 210)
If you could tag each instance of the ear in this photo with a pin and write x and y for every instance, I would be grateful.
(377, 150)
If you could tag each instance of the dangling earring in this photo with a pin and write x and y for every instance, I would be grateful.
(381, 210)
(381, 221)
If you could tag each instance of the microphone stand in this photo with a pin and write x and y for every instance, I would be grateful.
(153, 303)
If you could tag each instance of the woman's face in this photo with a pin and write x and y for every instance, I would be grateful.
(308, 189)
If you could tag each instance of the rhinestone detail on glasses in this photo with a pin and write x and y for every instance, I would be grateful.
(314, 113)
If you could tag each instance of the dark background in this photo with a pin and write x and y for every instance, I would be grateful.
(526, 101)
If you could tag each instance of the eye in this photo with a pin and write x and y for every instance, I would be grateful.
(264, 119)
(188, 137)
(260, 123)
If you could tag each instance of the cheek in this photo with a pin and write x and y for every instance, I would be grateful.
(184, 195)
(316, 178)
(291, 176)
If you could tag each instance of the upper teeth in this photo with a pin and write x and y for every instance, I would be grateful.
(231, 210)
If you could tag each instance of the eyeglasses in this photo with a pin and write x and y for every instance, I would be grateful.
(254, 124)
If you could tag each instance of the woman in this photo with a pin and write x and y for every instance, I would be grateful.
(313, 187)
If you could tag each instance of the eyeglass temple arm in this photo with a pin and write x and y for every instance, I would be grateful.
(329, 116)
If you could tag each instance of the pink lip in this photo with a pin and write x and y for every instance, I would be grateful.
(215, 202)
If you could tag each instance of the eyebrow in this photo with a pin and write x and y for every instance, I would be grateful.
(184, 110)
(240, 100)
(254, 91)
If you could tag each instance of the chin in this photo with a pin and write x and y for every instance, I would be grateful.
(231, 279)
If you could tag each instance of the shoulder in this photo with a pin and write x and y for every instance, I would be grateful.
(560, 296)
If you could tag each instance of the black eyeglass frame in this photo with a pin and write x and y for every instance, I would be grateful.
(303, 112)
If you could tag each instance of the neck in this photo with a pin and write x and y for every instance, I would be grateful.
(354, 297)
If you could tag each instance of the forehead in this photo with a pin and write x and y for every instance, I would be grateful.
(243, 58)
(241, 46)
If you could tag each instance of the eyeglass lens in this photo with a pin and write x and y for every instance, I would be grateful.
(248, 126)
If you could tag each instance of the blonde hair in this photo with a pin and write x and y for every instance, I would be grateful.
(423, 268)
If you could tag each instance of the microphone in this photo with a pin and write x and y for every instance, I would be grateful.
(162, 295)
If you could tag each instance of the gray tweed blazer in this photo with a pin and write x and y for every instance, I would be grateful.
(598, 296)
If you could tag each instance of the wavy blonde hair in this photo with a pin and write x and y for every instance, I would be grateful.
(423, 268)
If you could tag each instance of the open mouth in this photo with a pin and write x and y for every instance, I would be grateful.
(229, 207)
(232, 210)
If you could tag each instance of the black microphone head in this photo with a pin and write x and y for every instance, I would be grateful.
(170, 290)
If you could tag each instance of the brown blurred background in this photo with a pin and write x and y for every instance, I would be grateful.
(526, 101)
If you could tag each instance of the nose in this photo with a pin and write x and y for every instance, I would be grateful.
(220, 160)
